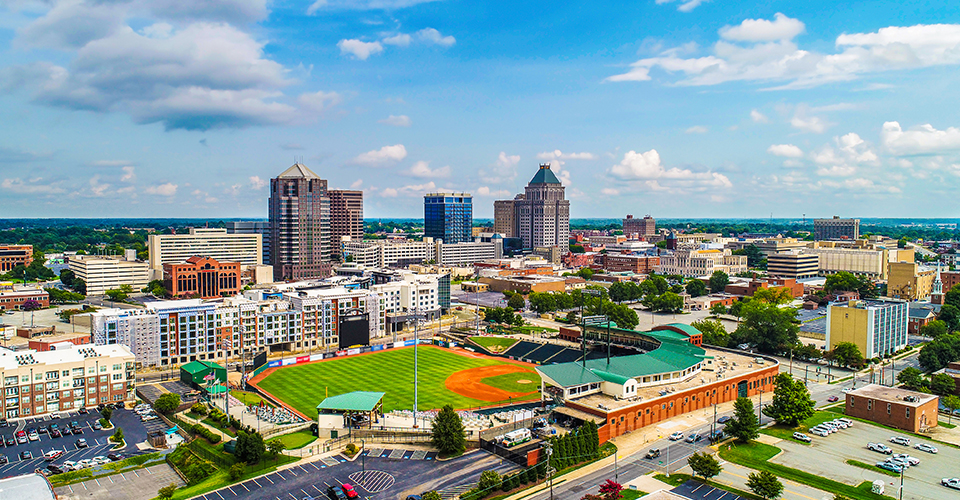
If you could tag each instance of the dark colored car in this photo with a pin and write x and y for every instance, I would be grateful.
(115, 456)
(97, 426)
(66, 431)
(77, 430)
(3, 459)
(83, 411)
(81, 443)
(716, 435)
(653, 453)
(26, 455)
(11, 441)
(54, 469)
(724, 419)
(75, 425)
(42, 430)
(55, 433)
(335, 493)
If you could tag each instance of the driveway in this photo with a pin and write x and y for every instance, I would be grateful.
(141, 484)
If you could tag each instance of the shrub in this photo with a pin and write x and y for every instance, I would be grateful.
(167, 491)
(205, 433)
(237, 470)
(351, 448)
(117, 436)
(199, 409)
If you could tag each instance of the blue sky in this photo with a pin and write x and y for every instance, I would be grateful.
(148, 108)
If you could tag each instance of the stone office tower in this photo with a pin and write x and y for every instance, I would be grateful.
(543, 215)
(300, 236)
(346, 218)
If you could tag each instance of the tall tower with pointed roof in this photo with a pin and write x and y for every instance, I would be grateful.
(543, 215)
(300, 225)
(936, 296)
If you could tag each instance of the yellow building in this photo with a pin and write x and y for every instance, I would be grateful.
(876, 327)
(910, 281)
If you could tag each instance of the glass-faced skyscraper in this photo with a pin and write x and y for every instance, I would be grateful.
(448, 216)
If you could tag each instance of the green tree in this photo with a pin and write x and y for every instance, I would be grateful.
(950, 315)
(106, 413)
(448, 432)
(198, 408)
(67, 276)
(791, 402)
(276, 447)
(952, 296)
(117, 436)
(841, 282)
(585, 273)
(167, 491)
(713, 332)
(696, 288)
(517, 302)
(718, 281)
(659, 282)
(718, 309)
(117, 295)
(624, 316)
(771, 328)
(745, 425)
(237, 470)
(776, 296)
(167, 402)
(250, 447)
(489, 480)
(911, 378)
(934, 329)
(704, 465)
(765, 485)
(80, 286)
(431, 495)
(619, 292)
(848, 354)
(668, 302)
(942, 384)
(951, 403)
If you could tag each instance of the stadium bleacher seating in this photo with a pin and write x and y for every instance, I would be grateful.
(545, 352)
(520, 349)
(565, 356)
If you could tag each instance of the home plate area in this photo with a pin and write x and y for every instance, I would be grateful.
(374, 481)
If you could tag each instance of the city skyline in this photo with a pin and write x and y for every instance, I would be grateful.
(672, 108)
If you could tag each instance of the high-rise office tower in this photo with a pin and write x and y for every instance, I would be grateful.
(448, 217)
(543, 215)
(346, 217)
(505, 217)
(646, 226)
(836, 229)
(300, 244)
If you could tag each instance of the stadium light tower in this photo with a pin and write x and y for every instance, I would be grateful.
(416, 316)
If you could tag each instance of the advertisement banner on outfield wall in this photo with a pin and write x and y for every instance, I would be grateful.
(329, 355)
(341, 353)
(400, 344)
(316, 357)
(289, 361)
(303, 359)
(378, 347)
(351, 352)
(408, 343)
(274, 364)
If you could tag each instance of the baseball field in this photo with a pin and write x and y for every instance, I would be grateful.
(459, 378)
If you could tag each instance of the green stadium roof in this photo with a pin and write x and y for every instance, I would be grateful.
(352, 401)
(545, 176)
(194, 367)
(673, 355)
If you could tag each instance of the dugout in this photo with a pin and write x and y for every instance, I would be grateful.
(194, 373)
(358, 409)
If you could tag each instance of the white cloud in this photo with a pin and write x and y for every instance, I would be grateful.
(503, 170)
(128, 175)
(761, 30)
(764, 51)
(356, 184)
(809, 123)
(30, 186)
(388, 5)
(409, 190)
(685, 5)
(359, 49)
(559, 155)
(430, 35)
(382, 156)
(647, 167)
(422, 169)
(96, 188)
(845, 157)
(166, 189)
(697, 129)
(71, 24)
(318, 102)
(758, 117)
(399, 40)
(257, 183)
(396, 121)
(786, 150)
(610, 192)
(483, 191)
(922, 140)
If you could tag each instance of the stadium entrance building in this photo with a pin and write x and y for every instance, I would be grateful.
(672, 376)
(197, 374)
(358, 410)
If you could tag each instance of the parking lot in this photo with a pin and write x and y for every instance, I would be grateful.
(826, 457)
(97, 441)
(375, 477)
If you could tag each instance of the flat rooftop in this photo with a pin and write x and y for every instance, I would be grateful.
(892, 394)
(736, 365)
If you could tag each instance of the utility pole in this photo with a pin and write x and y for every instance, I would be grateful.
(901, 482)
(416, 343)
(791, 361)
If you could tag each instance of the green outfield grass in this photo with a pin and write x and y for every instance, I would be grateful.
(495, 343)
(304, 386)
(508, 381)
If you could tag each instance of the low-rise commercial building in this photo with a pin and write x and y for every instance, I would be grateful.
(793, 264)
(698, 262)
(867, 262)
(109, 272)
(525, 284)
(639, 264)
(70, 377)
(12, 256)
(876, 327)
(203, 278)
(910, 281)
(894, 407)
(13, 296)
(216, 243)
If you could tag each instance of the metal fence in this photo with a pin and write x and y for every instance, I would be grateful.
(488, 434)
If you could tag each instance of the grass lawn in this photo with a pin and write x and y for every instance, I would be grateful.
(495, 344)
(220, 479)
(674, 479)
(216, 425)
(784, 432)
(304, 386)
(248, 398)
(946, 425)
(757, 456)
(874, 468)
(296, 440)
(509, 381)
(629, 494)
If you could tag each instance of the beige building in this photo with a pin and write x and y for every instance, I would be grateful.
(109, 272)
(774, 246)
(877, 327)
(861, 262)
(505, 218)
(836, 228)
(701, 262)
(216, 243)
(70, 377)
(795, 265)
(910, 281)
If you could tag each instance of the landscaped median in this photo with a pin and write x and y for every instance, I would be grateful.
(784, 432)
(125, 465)
(757, 456)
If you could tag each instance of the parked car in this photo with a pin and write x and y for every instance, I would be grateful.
(929, 448)
(54, 469)
(69, 465)
(66, 431)
(86, 462)
(724, 419)
(694, 437)
(799, 436)
(11, 441)
(846, 421)
(33, 436)
(335, 493)
(97, 426)
(900, 440)
(52, 455)
(890, 466)
(716, 435)
(3, 459)
(82, 411)
(21, 437)
(115, 456)
(833, 399)
(55, 433)
(100, 460)
(676, 436)
(349, 491)
(819, 432)
(911, 461)
(652, 453)
(55, 415)
(879, 448)
(81, 443)
(951, 482)
(26, 455)
(42, 430)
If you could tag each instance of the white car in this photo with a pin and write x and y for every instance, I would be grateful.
(926, 447)
(799, 436)
(68, 465)
(839, 423)
(879, 448)
(676, 436)
(819, 432)
(100, 460)
(33, 436)
(900, 440)
(86, 462)
(846, 421)
(911, 461)
(951, 482)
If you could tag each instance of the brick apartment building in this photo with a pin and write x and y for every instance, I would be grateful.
(894, 407)
(639, 264)
(202, 277)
